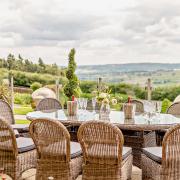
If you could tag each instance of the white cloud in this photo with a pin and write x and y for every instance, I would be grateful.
(102, 31)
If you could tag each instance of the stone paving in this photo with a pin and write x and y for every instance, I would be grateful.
(30, 174)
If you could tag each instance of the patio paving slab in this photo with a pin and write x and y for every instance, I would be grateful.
(30, 174)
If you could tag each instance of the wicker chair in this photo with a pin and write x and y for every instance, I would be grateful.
(16, 154)
(48, 104)
(103, 152)
(7, 113)
(57, 157)
(139, 105)
(174, 109)
(163, 163)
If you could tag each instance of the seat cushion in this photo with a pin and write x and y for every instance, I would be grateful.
(103, 153)
(126, 152)
(75, 150)
(21, 127)
(16, 133)
(24, 144)
(55, 149)
(154, 153)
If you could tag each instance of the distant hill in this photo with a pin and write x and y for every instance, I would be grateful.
(126, 72)
(135, 67)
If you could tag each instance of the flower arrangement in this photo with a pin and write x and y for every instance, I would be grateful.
(104, 98)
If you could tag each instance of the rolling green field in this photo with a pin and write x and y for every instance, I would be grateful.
(158, 77)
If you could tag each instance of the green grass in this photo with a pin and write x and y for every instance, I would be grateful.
(19, 121)
(23, 110)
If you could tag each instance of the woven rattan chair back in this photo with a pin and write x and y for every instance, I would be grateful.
(174, 109)
(52, 140)
(6, 112)
(8, 145)
(99, 141)
(139, 105)
(171, 154)
(48, 104)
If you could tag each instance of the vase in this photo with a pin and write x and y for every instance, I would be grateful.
(105, 111)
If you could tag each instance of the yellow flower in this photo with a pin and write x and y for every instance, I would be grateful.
(105, 101)
(103, 95)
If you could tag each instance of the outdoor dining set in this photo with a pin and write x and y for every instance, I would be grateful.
(61, 147)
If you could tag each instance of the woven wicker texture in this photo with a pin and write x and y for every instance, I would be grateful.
(169, 169)
(174, 109)
(48, 104)
(53, 146)
(102, 144)
(139, 105)
(13, 163)
(6, 112)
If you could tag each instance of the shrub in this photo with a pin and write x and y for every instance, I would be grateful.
(26, 79)
(165, 105)
(87, 95)
(120, 88)
(72, 86)
(88, 86)
(22, 99)
(139, 92)
(36, 85)
(63, 99)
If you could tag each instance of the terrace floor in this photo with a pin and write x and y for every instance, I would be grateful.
(30, 174)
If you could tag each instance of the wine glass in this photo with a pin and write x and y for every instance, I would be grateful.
(149, 109)
(94, 104)
(81, 103)
(158, 107)
(85, 103)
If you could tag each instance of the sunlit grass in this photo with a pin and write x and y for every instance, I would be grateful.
(23, 110)
(24, 121)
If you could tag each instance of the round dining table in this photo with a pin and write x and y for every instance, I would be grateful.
(139, 132)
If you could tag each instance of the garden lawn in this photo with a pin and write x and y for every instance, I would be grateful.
(23, 110)
(24, 121)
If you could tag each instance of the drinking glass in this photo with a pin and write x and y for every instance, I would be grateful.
(80, 103)
(94, 105)
(149, 109)
(158, 107)
(85, 103)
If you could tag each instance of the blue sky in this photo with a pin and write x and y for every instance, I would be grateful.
(102, 31)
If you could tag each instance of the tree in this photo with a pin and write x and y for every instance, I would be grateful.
(10, 61)
(72, 87)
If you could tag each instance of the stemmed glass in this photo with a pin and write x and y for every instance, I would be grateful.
(149, 109)
(80, 103)
(85, 103)
(84, 106)
(158, 107)
(94, 105)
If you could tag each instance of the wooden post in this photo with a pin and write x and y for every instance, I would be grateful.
(149, 89)
(99, 85)
(57, 89)
(12, 91)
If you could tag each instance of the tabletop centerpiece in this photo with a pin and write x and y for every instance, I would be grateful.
(104, 101)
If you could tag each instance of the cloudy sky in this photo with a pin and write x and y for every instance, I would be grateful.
(102, 31)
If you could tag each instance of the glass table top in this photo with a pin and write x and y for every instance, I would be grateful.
(114, 117)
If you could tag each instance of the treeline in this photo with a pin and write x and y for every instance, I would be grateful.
(25, 79)
(26, 65)
(137, 91)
